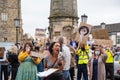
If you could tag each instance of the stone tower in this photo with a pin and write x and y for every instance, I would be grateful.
(9, 10)
(63, 18)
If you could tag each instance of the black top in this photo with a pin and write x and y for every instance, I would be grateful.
(13, 59)
(95, 69)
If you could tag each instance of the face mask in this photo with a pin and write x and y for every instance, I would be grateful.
(97, 53)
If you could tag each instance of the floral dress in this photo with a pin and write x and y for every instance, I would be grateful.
(27, 70)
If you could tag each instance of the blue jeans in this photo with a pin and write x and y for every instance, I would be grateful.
(66, 74)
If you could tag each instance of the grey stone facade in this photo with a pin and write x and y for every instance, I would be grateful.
(113, 31)
(110, 27)
(63, 18)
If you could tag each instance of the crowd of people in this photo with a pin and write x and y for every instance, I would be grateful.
(92, 62)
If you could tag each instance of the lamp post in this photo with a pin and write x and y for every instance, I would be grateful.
(84, 18)
(17, 25)
(49, 29)
(103, 25)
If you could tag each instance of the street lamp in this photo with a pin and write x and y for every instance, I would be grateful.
(84, 18)
(49, 29)
(17, 25)
(103, 25)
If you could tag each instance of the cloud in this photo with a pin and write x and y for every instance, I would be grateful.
(99, 10)
(35, 13)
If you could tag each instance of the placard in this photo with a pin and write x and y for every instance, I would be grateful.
(108, 43)
(35, 54)
(100, 34)
(87, 25)
(83, 38)
(47, 72)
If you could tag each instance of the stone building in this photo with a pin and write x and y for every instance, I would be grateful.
(27, 38)
(113, 31)
(63, 18)
(9, 10)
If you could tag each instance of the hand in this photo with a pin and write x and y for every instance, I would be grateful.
(59, 63)
(89, 73)
(28, 49)
(6, 60)
(45, 69)
(102, 50)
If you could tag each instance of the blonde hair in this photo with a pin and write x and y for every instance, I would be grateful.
(14, 49)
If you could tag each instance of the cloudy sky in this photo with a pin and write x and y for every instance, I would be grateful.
(35, 13)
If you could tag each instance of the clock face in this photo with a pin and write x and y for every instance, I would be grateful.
(84, 30)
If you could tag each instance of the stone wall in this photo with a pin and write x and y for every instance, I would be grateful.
(7, 28)
(63, 17)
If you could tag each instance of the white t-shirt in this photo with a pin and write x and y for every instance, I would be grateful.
(67, 55)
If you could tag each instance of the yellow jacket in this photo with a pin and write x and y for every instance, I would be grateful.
(83, 55)
(110, 58)
(22, 55)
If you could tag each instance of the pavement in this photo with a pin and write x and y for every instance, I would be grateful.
(75, 77)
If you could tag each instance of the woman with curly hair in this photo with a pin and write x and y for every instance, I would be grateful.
(54, 60)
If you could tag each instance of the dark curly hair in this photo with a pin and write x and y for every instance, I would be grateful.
(51, 46)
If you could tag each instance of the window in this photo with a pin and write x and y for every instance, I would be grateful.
(118, 39)
(57, 33)
(4, 16)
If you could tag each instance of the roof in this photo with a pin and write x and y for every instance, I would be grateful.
(110, 27)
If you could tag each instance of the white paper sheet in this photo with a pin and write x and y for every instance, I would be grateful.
(35, 54)
(47, 72)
